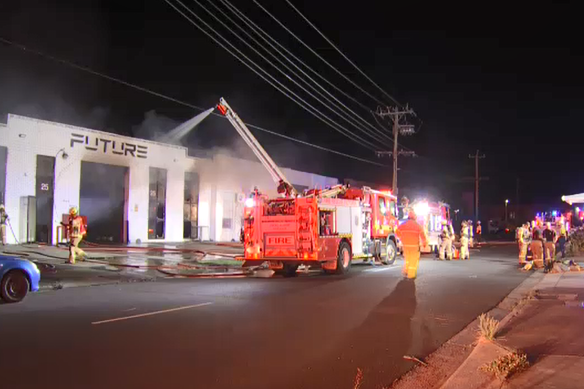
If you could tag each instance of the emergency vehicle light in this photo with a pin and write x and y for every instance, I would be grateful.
(222, 109)
(421, 209)
(249, 203)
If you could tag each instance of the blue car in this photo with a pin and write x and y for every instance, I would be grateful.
(17, 277)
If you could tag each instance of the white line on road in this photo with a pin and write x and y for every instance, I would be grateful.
(151, 313)
(375, 270)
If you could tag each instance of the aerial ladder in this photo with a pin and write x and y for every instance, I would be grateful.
(284, 186)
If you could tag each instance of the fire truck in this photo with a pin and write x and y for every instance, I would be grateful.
(327, 228)
(430, 215)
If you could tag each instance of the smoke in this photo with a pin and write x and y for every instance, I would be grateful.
(58, 110)
(154, 126)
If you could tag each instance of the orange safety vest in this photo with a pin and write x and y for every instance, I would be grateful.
(410, 233)
(479, 229)
(76, 226)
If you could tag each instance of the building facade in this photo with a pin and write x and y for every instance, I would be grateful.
(130, 190)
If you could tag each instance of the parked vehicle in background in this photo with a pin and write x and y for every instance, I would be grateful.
(17, 277)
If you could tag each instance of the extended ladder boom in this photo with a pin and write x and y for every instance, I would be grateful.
(283, 185)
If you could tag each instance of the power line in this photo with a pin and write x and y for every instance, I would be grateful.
(251, 24)
(332, 107)
(321, 116)
(268, 40)
(318, 55)
(165, 97)
(342, 54)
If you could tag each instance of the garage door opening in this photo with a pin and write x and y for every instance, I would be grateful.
(103, 199)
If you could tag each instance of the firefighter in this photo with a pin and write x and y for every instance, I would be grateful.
(523, 238)
(411, 234)
(549, 237)
(470, 230)
(76, 231)
(479, 231)
(3, 220)
(445, 242)
(464, 240)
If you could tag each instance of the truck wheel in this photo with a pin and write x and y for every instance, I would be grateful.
(288, 270)
(390, 253)
(344, 258)
(14, 286)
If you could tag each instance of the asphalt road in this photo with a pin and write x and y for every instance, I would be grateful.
(305, 332)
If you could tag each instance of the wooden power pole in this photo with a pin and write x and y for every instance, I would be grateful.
(476, 157)
(396, 115)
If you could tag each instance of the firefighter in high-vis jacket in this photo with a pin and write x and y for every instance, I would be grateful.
(464, 240)
(411, 235)
(3, 220)
(470, 229)
(524, 239)
(76, 230)
(479, 232)
(446, 236)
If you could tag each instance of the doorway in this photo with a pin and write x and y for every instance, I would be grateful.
(45, 179)
(191, 206)
(157, 204)
(102, 199)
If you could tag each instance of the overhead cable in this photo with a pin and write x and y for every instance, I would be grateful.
(252, 25)
(172, 99)
(259, 33)
(318, 55)
(306, 106)
(342, 54)
(378, 135)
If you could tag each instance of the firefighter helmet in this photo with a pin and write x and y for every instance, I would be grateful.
(73, 211)
(479, 222)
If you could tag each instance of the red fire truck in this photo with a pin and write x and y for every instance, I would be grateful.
(328, 228)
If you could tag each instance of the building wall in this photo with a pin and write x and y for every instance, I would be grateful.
(26, 138)
(224, 181)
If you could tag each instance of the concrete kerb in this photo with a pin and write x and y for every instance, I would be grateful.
(512, 305)
(464, 342)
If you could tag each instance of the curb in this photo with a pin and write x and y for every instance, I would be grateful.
(445, 361)
(513, 303)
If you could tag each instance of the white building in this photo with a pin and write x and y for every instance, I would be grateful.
(130, 189)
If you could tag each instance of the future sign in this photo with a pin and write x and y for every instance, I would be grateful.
(106, 146)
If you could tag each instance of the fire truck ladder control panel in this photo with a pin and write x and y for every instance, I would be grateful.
(284, 187)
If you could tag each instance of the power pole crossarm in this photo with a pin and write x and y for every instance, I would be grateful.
(396, 114)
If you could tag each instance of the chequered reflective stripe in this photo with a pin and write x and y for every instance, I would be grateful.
(280, 253)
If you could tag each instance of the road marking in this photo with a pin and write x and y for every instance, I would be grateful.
(375, 270)
(151, 313)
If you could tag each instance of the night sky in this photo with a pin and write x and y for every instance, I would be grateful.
(507, 81)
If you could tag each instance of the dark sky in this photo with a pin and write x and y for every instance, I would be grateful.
(502, 78)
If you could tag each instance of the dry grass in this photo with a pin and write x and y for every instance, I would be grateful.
(358, 379)
(488, 326)
(507, 365)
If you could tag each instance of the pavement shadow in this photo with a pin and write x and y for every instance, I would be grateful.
(376, 346)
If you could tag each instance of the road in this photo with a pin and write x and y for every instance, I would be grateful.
(305, 332)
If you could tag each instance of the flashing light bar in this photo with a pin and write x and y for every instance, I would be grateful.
(222, 109)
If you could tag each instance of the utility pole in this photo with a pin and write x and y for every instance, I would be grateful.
(477, 179)
(396, 114)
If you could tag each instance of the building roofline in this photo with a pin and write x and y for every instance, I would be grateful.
(94, 131)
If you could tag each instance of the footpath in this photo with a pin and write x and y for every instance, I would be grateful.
(537, 341)
(136, 263)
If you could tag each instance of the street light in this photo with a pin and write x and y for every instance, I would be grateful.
(506, 204)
